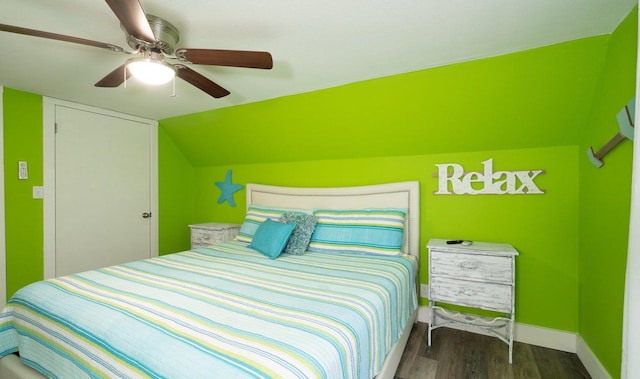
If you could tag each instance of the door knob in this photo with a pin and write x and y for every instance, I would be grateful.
(146, 215)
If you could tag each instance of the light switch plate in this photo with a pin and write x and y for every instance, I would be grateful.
(38, 192)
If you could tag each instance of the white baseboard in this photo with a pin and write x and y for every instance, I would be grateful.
(590, 361)
(545, 337)
(550, 338)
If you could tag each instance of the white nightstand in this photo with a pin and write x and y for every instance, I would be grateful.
(481, 276)
(212, 232)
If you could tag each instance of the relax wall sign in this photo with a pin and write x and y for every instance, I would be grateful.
(453, 180)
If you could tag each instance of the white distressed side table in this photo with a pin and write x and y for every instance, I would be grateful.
(480, 276)
(212, 232)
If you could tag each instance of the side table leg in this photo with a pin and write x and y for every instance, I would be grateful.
(511, 324)
(431, 320)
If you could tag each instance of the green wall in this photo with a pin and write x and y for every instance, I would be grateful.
(605, 198)
(526, 110)
(529, 99)
(23, 214)
(175, 194)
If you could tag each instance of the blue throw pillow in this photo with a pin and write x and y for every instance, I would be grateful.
(271, 237)
(305, 224)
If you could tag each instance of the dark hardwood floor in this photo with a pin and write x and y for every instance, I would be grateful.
(460, 354)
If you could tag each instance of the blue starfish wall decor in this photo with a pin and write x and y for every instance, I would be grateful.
(228, 189)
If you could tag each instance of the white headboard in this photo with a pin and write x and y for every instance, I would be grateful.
(403, 195)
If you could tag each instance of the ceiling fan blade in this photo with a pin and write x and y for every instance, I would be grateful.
(59, 37)
(114, 78)
(132, 18)
(233, 58)
(201, 82)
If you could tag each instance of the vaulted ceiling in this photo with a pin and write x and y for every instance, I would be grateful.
(315, 45)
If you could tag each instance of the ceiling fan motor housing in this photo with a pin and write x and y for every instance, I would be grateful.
(167, 36)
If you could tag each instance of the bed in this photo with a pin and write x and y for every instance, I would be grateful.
(227, 310)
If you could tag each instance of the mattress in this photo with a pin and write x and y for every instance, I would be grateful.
(223, 311)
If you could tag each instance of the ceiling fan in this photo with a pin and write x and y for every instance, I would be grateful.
(153, 41)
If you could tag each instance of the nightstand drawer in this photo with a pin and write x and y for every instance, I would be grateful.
(201, 237)
(490, 296)
(472, 266)
(212, 233)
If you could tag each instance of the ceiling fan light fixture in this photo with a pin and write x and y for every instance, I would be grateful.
(151, 71)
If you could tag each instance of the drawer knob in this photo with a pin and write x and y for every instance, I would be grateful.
(469, 265)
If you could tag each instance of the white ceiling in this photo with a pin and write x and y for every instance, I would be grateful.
(315, 44)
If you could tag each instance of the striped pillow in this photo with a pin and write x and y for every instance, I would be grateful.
(256, 215)
(368, 231)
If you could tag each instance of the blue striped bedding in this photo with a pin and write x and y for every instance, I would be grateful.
(220, 312)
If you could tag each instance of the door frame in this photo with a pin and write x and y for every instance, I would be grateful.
(631, 312)
(49, 176)
(3, 239)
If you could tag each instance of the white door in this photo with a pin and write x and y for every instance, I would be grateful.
(102, 190)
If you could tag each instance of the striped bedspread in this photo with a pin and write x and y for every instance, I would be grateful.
(223, 312)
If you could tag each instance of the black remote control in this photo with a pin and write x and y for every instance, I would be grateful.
(454, 242)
